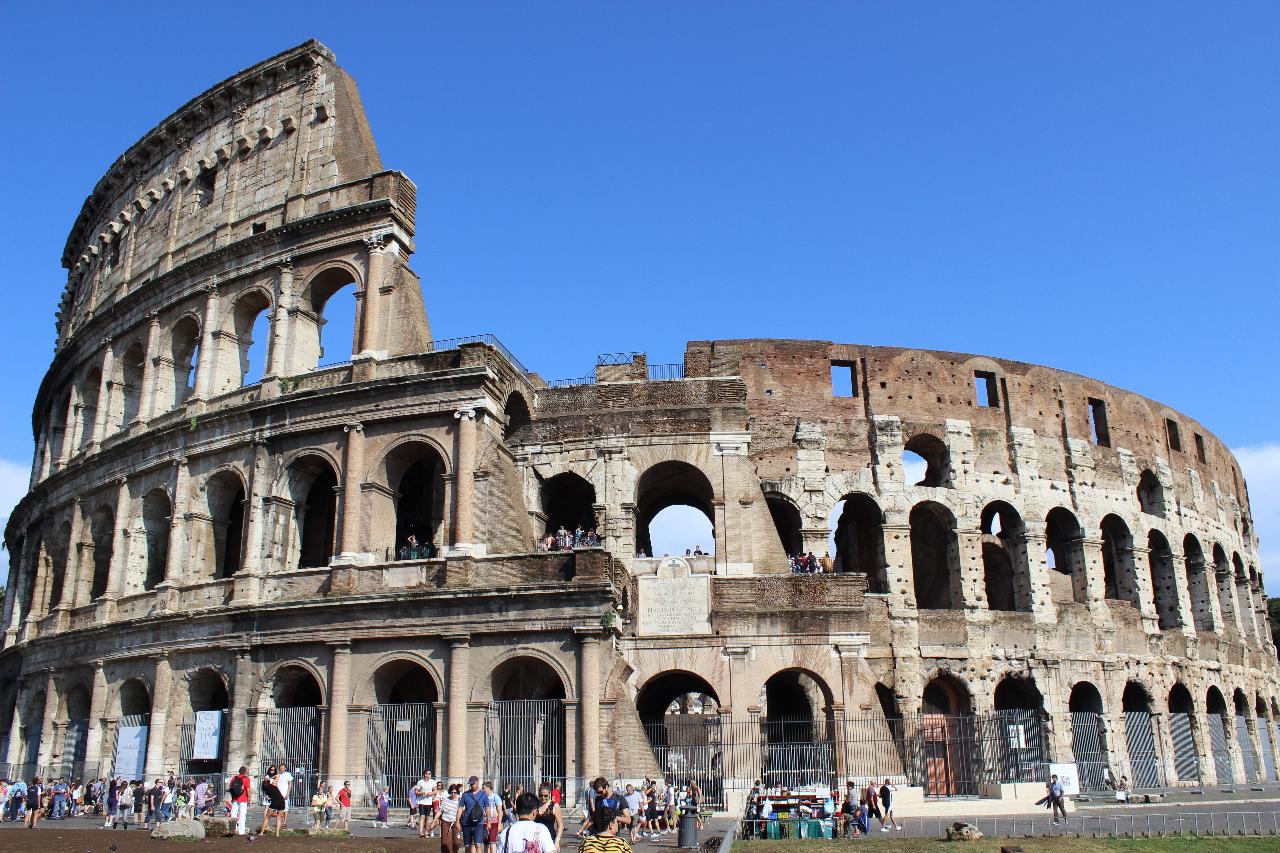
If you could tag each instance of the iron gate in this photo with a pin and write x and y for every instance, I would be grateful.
(797, 753)
(1185, 760)
(524, 742)
(948, 755)
(691, 746)
(74, 744)
(1144, 761)
(1247, 752)
(201, 769)
(401, 745)
(1218, 745)
(1088, 747)
(1268, 750)
(291, 736)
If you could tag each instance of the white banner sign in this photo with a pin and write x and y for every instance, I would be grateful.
(131, 752)
(207, 742)
(1068, 778)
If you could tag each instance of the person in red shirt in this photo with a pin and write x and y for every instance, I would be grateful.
(344, 801)
(239, 789)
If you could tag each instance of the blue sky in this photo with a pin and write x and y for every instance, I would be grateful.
(1094, 186)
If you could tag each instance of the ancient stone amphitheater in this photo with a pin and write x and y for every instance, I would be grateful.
(214, 567)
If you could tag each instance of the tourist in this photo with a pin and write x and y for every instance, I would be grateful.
(154, 798)
(284, 781)
(423, 794)
(1122, 790)
(1057, 799)
(319, 801)
(871, 800)
(344, 806)
(270, 789)
(604, 833)
(412, 821)
(169, 795)
(332, 806)
(448, 818)
(526, 835)
(35, 792)
(633, 800)
(200, 797)
(472, 807)
(886, 806)
(548, 813)
(449, 812)
(238, 788)
(17, 805)
(437, 800)
(826, 563)
(555, 794)
(492, 817)
(138, 793)
(384, 809)
(112, 805)
(75, 798)
(605, 798)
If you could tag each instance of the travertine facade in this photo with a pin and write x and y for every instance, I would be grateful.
(193, 543)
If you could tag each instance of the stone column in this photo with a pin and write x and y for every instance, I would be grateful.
(464, 485)
(1182, 590)
(97, 701)
(117, 582)
(242, 687)
(175, 559)
(459, 654)
(14, 749)
(147, 393)
(349, 550)
(339, 698)
(208, 343)
(253, 526)
(101, 416)
(1033, 546)
(46, 725)
(281, 321)
(371, 343)
(70, 430)
(159, 717)
(589, 696)
(78, 577)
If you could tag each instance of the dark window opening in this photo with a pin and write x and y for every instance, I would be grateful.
(1175, 439)
(932, 452)
(844, 379)
(1150, 494)
(1098, 423)
(984, 382)
(1200, 451)
(204, 186)
(259, 227)
(113, 254)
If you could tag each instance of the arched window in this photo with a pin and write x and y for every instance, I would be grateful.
(1244, 596)
(157, 512)
(402, 734)
(102, 532)
(60, 548)
(131, 369)
(226, 496)
(1065, 557)
(313, 491)
(251, 322)
(59, 428)
(518, 419)
(325, 332)
(87, 391)
(1144, 760)
(857, 538)
(1182, 713)
(295, 687)
(1219, 724)
(568, 502)
(207, 692)
(1118, 571)
(1198, 584)
(673, 484)
(929, 451)
(1164, 582)
(1088, 735)
(184, 359)
(786, 520)
(416, 471)
(1018, 693)
(1226, 589)
(935, 557)
(1004, 558)
(1150, 494)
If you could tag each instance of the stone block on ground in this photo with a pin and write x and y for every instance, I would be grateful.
(182, 829)
(961, 831)
(218, 827)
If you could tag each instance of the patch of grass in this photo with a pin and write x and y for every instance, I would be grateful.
(1217, 844)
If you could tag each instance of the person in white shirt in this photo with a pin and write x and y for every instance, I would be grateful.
(424, 791)
(284, 781)
(633, 800)
(526, 834)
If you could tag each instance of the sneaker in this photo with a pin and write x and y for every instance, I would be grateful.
(898, 827)
(884, 829)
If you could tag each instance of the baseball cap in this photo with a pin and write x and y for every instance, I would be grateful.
(473, 780)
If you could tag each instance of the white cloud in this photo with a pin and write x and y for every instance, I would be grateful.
(14, 479)
(1261, 468)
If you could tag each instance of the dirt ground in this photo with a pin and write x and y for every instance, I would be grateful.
(59, 840)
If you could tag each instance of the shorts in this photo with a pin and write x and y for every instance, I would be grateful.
(345, 813)
(425, 810)
(653, 814)
(493, 833)
(475, 834)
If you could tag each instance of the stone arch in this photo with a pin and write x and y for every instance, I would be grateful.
(935, 557)
(1150, 494)
(518, 421)
(1018, 692)
(666, 484)
(1226, 586)
(786, 521)
(157, 518)
(131, 370)
(1164, 582)
(75, 702)
(385, 672)
(292, 684)
(207, 689)
(1085, 698)
(524, 676)
(310, 345)
(933, 451)
(858, 531)
(1180, 700)
(87, 389)
(311, 484)
(1006, 575)
(796, 693)
(1064, 555)
(1119, 574)
(568, 501)
(677, 692)
(946, 694)
(414, 469)
(1182, 728)
(250, 327)
(1198, 584)
(179, 381)
(1136, 697)
(58, 548)
(225, 496)
(133, 697)
(102, 529)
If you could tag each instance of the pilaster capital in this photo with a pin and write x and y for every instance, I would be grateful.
(106, 342)
(97, 665)
(459, 639)
(465, 414)
(375, 243)
(285, 265)
(587, 633)
(340, 647)
(210, 288)
(353, 427)
(153, 317)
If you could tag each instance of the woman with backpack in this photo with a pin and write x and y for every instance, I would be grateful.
(35, 808)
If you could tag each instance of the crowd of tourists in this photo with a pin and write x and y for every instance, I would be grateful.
(807, 564)
(121, 802)
(847, 815)
(566, 540)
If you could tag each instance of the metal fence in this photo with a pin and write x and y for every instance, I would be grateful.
(441, 344)
(292, 736)
(1219, 746)
(524, 742)
(1144, 758)
(1247, 753)
(401, 745)
(75, 744)
(1186, 762)
(1089, 749)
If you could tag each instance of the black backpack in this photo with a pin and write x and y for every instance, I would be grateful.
(237, 786)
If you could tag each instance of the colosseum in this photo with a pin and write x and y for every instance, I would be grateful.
(343, 562)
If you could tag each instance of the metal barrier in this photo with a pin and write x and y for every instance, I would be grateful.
(524, 742)
(491, 340)
(401, 745)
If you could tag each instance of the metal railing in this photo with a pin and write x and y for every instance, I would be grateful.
(589, 379)
(666, 372)
(442, 344)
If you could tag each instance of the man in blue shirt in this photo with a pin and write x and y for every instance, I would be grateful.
(59, 799)
(471, 811)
